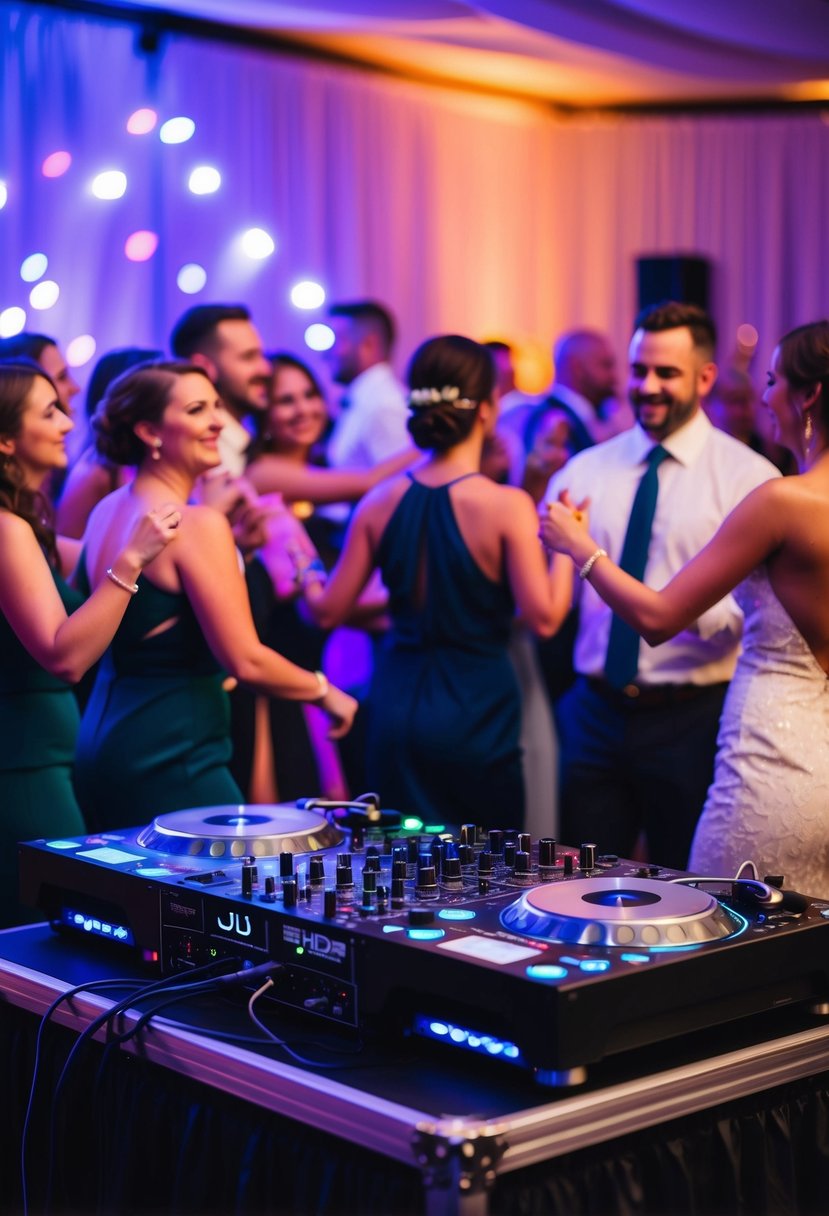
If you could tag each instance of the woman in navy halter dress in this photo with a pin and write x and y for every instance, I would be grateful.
(458, 555)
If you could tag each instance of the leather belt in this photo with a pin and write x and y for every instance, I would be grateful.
(655, 696)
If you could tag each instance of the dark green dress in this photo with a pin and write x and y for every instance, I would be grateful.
(155, 734)
(445, 706)
(38, 729)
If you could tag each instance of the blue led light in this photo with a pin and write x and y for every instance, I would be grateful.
(546, 971)
(63, 844)
(392, 928)
(456, 914)
(570, 961)
(594, 964)
(635, 958)
(426, 935)
(466, 1039)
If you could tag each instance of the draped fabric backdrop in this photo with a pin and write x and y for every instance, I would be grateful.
(461, 211)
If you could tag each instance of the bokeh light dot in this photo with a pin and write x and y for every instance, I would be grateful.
(44, 295)
(80, 350)
(140, 246)
(191, 278)
(747, 335)
(319, 337)
(56, 164)
(33, 267)
(177, 130)
(4, 194)
(12, 321)
(257, 243)
(140, 122)
(204, 180)
(307, 294)
(110, 184)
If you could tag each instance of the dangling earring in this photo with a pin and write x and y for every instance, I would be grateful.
(156, 452)
(808, 431)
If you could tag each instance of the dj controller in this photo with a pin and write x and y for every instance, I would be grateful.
(545, 956)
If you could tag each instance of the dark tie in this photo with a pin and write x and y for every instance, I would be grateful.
(623, 647)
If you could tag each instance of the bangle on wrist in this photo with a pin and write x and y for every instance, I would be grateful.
(590, 563)
(323, 688)
(131, 588)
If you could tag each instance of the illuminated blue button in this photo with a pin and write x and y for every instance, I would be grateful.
(63, 844)
(635, 958)
(456, 914)
(153, 872)
(547, 971)
(426, 935)
(594, 964)
(392, 928)
(570, 961)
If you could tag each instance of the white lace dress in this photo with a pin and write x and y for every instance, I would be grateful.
(769, 801)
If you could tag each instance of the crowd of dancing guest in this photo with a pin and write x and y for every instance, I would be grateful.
(227, 453)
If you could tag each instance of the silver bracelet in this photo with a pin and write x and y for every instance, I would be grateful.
(590, 563)
(324, 687)
(132, 588)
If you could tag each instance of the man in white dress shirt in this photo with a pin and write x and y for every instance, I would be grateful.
(639, 758)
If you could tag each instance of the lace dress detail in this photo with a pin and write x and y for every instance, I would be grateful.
(769, 801)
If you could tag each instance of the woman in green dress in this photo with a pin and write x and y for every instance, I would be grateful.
(43, 649)
(155, 732)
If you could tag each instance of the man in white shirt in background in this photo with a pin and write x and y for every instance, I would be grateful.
(638, 756)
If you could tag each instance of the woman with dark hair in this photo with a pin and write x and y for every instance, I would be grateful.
(43, 650)
(91, 477)
(156, 726)
(458, 554)
(768, 801)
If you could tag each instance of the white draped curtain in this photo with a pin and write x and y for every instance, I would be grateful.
(461, 211)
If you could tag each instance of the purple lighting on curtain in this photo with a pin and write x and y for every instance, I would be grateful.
(140, 246)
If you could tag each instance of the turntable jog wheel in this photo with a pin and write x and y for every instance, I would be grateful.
(229, 832)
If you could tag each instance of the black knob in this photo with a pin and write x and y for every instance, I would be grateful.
(317, 871)
(547, 851)
(525, 842)
(413, 850)
(426, 886)
(345, 875)
(286, 865)
(421, 916)
(568, 865)
(370, 880)
(452, 871)
(522, 862)
(485, 862)
(496, 841)
(398, 892)
(469, 833)
(587, 857)
(466, 854)
(247, 881)
(270, 888)
(372, 860)
(509, 853)
(329, 903)
(289, 892)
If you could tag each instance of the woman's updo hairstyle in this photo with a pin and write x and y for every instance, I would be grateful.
(804, 361)
(139, 395)
(448, 379)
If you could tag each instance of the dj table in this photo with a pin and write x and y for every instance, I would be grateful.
(235, 1126)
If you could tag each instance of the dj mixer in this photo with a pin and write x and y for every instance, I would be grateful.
(546, 956)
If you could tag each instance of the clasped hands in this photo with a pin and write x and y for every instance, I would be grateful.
(564, 525)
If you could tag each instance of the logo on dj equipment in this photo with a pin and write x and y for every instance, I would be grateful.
(240, 925)
(315, 943)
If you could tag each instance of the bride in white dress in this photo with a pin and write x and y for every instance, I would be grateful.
(769, 801)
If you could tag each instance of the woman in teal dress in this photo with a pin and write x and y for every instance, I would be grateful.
(459, 555)
(43, 650)
(155, 733)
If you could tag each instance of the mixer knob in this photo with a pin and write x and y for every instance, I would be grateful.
(509, 853)
(398, 891)
(485, 863)
(412, 850)
(568, 865)
(496, 841)
(547, 851)
(372, 864)
(247, 881)
(345, 875)
(270, 888)
(286, 865)
(316, 872)
(427, 885)
(451, 876)
(289, 892)
(525, 842)
(329, 903)
(369, 881)
(421, 916)
(587, 857)
(469, 834)
(466, 854)
(522, 862)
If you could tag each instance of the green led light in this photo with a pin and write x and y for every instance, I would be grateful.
(412, 824)
(435, 828)
(300, 949)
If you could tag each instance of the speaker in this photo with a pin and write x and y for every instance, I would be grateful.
(672, 277)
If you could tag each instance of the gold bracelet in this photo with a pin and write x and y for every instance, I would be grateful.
(324, 687)
(590, 563)
(132, 588)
